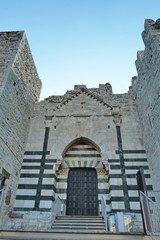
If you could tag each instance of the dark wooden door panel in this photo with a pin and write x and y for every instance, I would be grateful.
(82, 192)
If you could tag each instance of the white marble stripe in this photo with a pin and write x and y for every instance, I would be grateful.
(28, 192)
(136, 163)
(24, 203)
(31, 164)
(134, 155)
(32, 171)
(28, 181)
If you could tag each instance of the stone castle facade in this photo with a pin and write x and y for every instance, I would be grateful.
(87, 133)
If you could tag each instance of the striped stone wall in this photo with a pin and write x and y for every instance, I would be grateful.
(36, 188)
(43, 179)
(122, 177)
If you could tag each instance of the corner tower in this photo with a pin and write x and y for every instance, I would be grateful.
(19, 91)
(146, 88)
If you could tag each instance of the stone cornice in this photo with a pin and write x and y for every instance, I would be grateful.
(73, 95)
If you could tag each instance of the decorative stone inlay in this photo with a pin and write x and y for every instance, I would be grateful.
(101, 171)
(63, 171)
(106, 167)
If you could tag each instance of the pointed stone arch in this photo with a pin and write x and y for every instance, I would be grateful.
(82, 152)
(79, 140)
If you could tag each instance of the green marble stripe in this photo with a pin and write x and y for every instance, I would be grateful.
(134, 175)
(128, 167)
(135, 159)
(129, 187)
(73, 163)
(115, 176)
(32, 209)
(67, 162)
(85, 163)
(126, 211)
(117, 199)
(130, 151)
(61, 190)
(47, 198)
(96, 164)
(136, 167)
(134, 187)
(134, 199)
(114, 167)
(91, 164)
(121, 199)
(37, 175)
(27, 186)
(82, 149)
(113, 160)
(31, 186)
(26, 160)
(25, 197)
(38, 167)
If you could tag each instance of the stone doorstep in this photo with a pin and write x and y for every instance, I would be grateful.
(24, 235)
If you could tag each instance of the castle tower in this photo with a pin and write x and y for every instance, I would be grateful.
(146, 90)
(19, 90)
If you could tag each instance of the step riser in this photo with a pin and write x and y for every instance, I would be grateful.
(94, 229)
(78, 224)
(72, 220)
(85, 219)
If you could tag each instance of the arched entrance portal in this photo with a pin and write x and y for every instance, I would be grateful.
(82, 178)
(82, 192)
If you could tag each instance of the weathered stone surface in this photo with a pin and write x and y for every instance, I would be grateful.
(19, 90)
(116, 134)
(146, 91)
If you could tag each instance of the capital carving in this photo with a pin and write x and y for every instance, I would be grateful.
(117, 121)
(63, 171)
(101, 171)
(106, 167)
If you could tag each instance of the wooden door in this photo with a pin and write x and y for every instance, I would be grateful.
(82, 192)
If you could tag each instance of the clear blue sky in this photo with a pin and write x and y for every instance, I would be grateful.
(81, 41)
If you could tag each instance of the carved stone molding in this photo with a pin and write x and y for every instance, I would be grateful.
(101, 171)
(63, 171)
(117, 120)
(58, 165)
(106, 167)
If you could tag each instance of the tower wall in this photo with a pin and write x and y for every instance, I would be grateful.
(146, 89)
(19, 90)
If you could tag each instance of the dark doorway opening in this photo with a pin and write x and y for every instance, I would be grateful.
(82, 192)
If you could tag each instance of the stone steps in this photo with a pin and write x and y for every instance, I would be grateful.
(78, 224)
